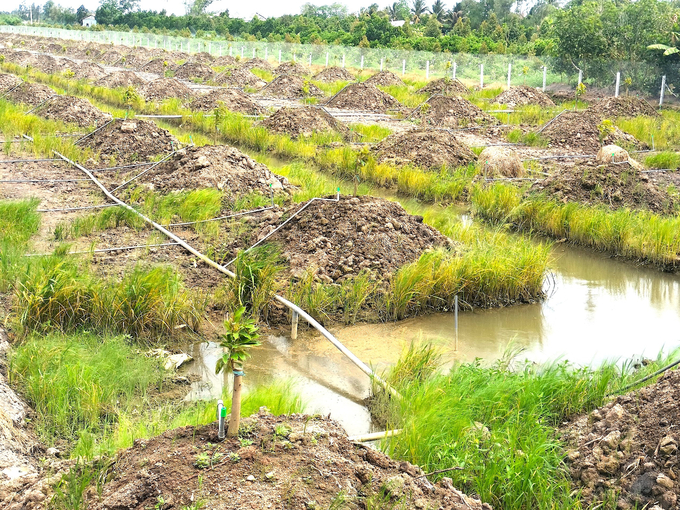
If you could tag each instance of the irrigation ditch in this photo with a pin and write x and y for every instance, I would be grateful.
(345, 256)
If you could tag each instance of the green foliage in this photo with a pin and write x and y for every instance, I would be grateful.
(241, 335)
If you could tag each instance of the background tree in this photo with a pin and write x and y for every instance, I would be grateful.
(81, 14)
(438, 10)
(418, 8)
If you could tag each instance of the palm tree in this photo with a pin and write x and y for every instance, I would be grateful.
(449, 19)
(419, 8)
(393, 11)
(438, 9)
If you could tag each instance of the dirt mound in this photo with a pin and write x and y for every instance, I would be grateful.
(630, 447)
(585, 132)
(293, 68)
(304, 122)
(131, 141)
(500, 161)
(444, 86)
(133, 60)
(165, 88)
(194, 70)
(120, 79)
(158, 66)
(452, 111)
(257, 63)
(385, 79)
(288, 85)
(239, 77)
(9, 81)
(20, 58)
(73, 109)
(295, 461)
(225, 61)
(202, 58)
(31, 94)
(622, 106)
(363, 96)
(430, 148)
(217, 166)
(613, 185)
(110, 57)
(233, 100)
(522, 95)
(340, 239)
(51, 65)
(89, 71)
(332, 74)
(54, 48)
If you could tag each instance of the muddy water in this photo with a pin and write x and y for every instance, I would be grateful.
(597, 309)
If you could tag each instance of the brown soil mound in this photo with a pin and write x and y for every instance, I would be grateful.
(202, 58)
(444, 86)
(522, 95)
(158, 66)
(294, 68)
(340, 239)
(233, 100)
(51, 65)
(225, 61)
(257, 63)
(500, 161)
(9, 81)
(239, 77)
(385, 79)
(120, 79)
(20, 58)
(31, 94)
(629, 447)
(613, 185)
(295, 461)
(110, 57)
(165, 88)
(194, 70)
(89, 71)
(332, 74)
(452, 111)
(288, 85)
(581, 131)
(622, 106)
(430, 148)
(133, 60)
(217, 166)
(130, 141)
(54, 48)
(304, 122)
(363, 96)
(73, 109)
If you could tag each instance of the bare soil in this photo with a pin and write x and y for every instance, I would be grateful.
(333, 74)
(110, 57)
(194, 70)
(131, 141)
(629, 448)
(233, 100)
(89, 71)
(622, 106)
(120, 79)
(580, 131)
(362, 96)
(288, 85)
(201, 58)
(452, 111)
(75, 110)
(523, 95)
(9, 81)
(429, 148)
(444, 86)
(293, 68)
(165, 88)
(306, 465)
(31, 94)
(225, 61)
(338, 240)
(239, 77)
(134, 60)
(257, 63)
(613, 185)
(304, 122)
(216, 166)
(385, 79)
(158, 66)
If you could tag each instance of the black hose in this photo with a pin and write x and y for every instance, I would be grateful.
(646, 378)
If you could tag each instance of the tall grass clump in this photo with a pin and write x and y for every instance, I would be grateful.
(18, 222)
(77, 383)
(665, 159)
(497, 423)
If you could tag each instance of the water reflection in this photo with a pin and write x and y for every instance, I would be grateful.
(598, 308)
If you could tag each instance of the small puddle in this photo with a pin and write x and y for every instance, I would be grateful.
(598, 309)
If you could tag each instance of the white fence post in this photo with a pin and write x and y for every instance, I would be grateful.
(403, 67)
(545, 76)
(663, 88)
(362, 61)
(326, 59)
(580, 77)
(279, 56)
(618, 83)
(509, 73)
(294, 57)
(265, 52)
(481, 76)
(381, 65)
(343, 60)
(427, 69)
(242, 50)
(310, 59)
(454, 70)
(253, 52)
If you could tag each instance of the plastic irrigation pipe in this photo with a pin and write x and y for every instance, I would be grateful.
(219, 218)
(93, 132)
(142, 173)
(374, 436)
(69, 209)
(105, 250)
(26, 160)
(360, 364)
(550, 122)
(646, 378)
